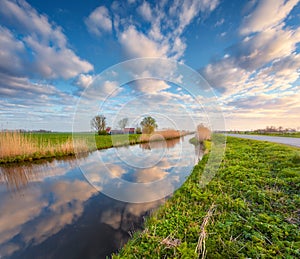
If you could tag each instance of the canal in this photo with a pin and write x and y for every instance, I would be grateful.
(55, 209)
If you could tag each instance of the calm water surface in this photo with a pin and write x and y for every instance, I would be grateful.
(50, 210)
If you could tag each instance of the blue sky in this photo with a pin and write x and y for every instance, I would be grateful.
(52, 51)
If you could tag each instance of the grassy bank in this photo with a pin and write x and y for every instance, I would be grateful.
(249, 210)
(290, 135)
(20, 147)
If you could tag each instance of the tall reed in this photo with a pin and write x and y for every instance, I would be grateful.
(203, 133)
(16, 144)
(159, 135)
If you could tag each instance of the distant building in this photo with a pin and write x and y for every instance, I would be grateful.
(125, 131)
(116, 132)
(129, 130)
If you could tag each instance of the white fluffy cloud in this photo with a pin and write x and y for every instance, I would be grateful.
(137, 44)
(263, 62)
(188, 10)
(268, 13)
(84, 80)
(33, 51)
(53, 63)
(257, 60)
(49, 55)
(271, 44)
(11, 51)
(20, 87)
(145, 11)
(225, 74)
(164, 37)
(150, 86)
(99, 21)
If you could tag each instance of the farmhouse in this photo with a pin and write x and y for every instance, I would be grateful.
(129, 130)
(125, 131)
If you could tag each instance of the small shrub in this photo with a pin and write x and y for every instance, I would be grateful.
(102, 132)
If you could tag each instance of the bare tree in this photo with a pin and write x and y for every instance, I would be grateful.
(98, 123)
(122, 123)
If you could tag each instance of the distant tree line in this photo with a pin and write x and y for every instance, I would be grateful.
(27, 131)
(266, 130)
(273, 129)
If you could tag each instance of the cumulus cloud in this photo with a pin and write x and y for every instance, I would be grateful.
(225, 74)
(48, 55)
(27, 19)
(53, 63)
(150, 86)
(11, 61)
(99, 21)
(267, 14)
(164, 37)
(99, 89)
(265, 101)
(274, 43)
(137, 44)
(20, 87)
(33, 51)
(145, 11)
(188, 10)
(254, 56)
(264, 61)
(83, 80)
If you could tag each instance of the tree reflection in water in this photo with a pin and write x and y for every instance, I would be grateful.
(17, 176)
(161, 144)
(54, 204)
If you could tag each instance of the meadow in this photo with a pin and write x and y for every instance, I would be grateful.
(18, 147)
(250, 209)
(278, 134)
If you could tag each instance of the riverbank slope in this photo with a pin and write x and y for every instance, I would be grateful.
(249, 209)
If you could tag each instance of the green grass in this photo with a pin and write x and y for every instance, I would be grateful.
(100, 141)
(53, 138)
(249, 210)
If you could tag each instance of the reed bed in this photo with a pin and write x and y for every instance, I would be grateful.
(203, 133)
(17, 146)
(160, 135)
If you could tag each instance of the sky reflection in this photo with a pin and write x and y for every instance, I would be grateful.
(43, 205)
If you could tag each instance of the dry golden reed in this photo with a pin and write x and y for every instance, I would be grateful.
(203, 133)
(159, 135)
(14, 143)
